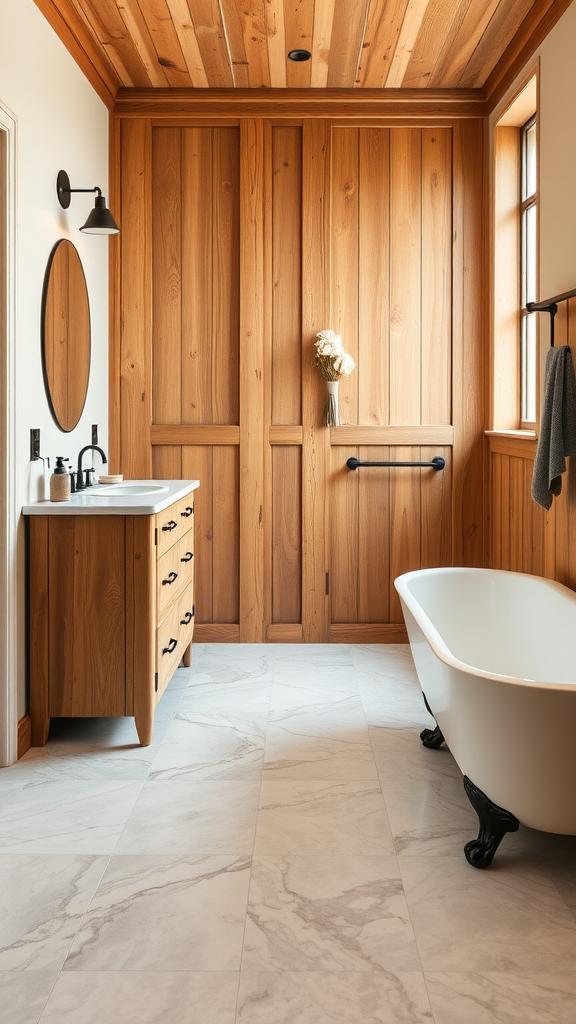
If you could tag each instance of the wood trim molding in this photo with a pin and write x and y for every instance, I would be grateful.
(518, 447)
(284, 633)
(194, 433)
(71, 30)
(24, 735)
(368, 633)
(285, 435)
(346, 104)
(347, 435)
(539, 21)
(216, 633)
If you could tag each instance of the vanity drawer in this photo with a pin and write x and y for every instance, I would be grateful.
(174, 522)
(173, 636)
(175, 572)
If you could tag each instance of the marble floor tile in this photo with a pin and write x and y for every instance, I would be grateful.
(331, 998)
(305, 748)
(140, 998)
(562, 871)
(67, 817)
(391, 703)
(505, 998)
(315, 655)
(389, 659)
(212, 747)
(238, 698)
(322, 817)
(345, 913)
(232, 662)
(8, 790)
(550, 846)
(24, 996)
(288, 704)
(401, 752)
(42, 902)
(182, 815)
(507, 917)
(165, 913)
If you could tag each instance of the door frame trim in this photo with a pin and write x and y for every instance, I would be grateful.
(9, 513)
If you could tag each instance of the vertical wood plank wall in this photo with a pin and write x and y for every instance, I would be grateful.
(240, 240)
(523, 536)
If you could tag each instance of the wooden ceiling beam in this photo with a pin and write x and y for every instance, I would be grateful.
(70, 27)
(539, 21)
(345, 104)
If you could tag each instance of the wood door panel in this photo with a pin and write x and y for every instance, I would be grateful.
(286, 257)
(286, 533)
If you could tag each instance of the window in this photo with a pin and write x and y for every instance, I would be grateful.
(514, 139)
(529, 254)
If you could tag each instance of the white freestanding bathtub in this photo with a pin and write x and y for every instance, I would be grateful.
(495, 654)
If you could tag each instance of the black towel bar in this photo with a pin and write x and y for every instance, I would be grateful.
(550, 306)
(437, 463)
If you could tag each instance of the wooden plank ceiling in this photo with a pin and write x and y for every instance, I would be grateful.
(366, 44)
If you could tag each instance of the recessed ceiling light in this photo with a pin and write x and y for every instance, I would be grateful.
(299, 55)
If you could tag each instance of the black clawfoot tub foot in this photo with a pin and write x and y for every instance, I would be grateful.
(494, 823)
(431, 738)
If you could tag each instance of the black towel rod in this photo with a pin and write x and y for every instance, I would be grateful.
(550, 306)
(437, 463)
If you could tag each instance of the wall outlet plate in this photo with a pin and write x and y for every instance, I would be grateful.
(34, 444)
(94, 433)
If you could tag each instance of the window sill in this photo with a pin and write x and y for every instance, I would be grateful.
(527, 435)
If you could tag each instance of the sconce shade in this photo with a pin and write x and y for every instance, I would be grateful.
(100, 221)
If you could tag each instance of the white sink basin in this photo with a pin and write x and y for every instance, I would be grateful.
(128, 489)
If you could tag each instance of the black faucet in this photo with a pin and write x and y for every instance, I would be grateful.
(80, 484)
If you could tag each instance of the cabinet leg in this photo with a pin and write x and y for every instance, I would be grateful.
(187, 656)
(144, 727)
(40, 728)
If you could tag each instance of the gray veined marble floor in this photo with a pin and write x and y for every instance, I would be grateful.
(286, 852)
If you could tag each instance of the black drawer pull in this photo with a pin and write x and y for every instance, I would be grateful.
(187, 618)
(170, 578)
(187, 512)
(187, 557)
(171, 646)
(170, 526)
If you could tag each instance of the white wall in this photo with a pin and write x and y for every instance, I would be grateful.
(558, 157)
(60, 123)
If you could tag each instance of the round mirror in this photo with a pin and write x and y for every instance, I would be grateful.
(65, 334)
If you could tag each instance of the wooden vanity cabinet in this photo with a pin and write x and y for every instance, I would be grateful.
(111, 613)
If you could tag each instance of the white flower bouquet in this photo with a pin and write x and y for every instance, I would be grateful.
(333, 363)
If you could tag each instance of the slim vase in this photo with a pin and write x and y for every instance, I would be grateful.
(332, 412)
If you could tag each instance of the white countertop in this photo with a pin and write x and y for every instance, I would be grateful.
(99, 500)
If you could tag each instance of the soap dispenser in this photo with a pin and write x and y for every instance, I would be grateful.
(60, 481)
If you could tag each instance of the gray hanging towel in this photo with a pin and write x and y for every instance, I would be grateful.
(557, 438)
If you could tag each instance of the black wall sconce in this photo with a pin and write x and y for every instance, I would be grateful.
(100, 220)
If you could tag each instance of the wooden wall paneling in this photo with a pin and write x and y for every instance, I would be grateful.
(427, 434)
(344, 565)
(267, 313)
(165, 434)
(436, 275)
(167, 462)
(344, 258)
(193, 362)
(405, 275)
(495, 510)
(468, 344)
(373, 537)
(286, 275)
(197, 465)
(405, 519)
(225, 276)
(252, 424)
(372, 371)
(529, 539)
(225, 531)
(136, 342)
(115, 299)
(436, 510)
(505, 505)
(315, 437)
(166, 275)
(286, 534)
(517, 505)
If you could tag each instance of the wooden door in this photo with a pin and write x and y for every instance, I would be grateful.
(240, 241)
